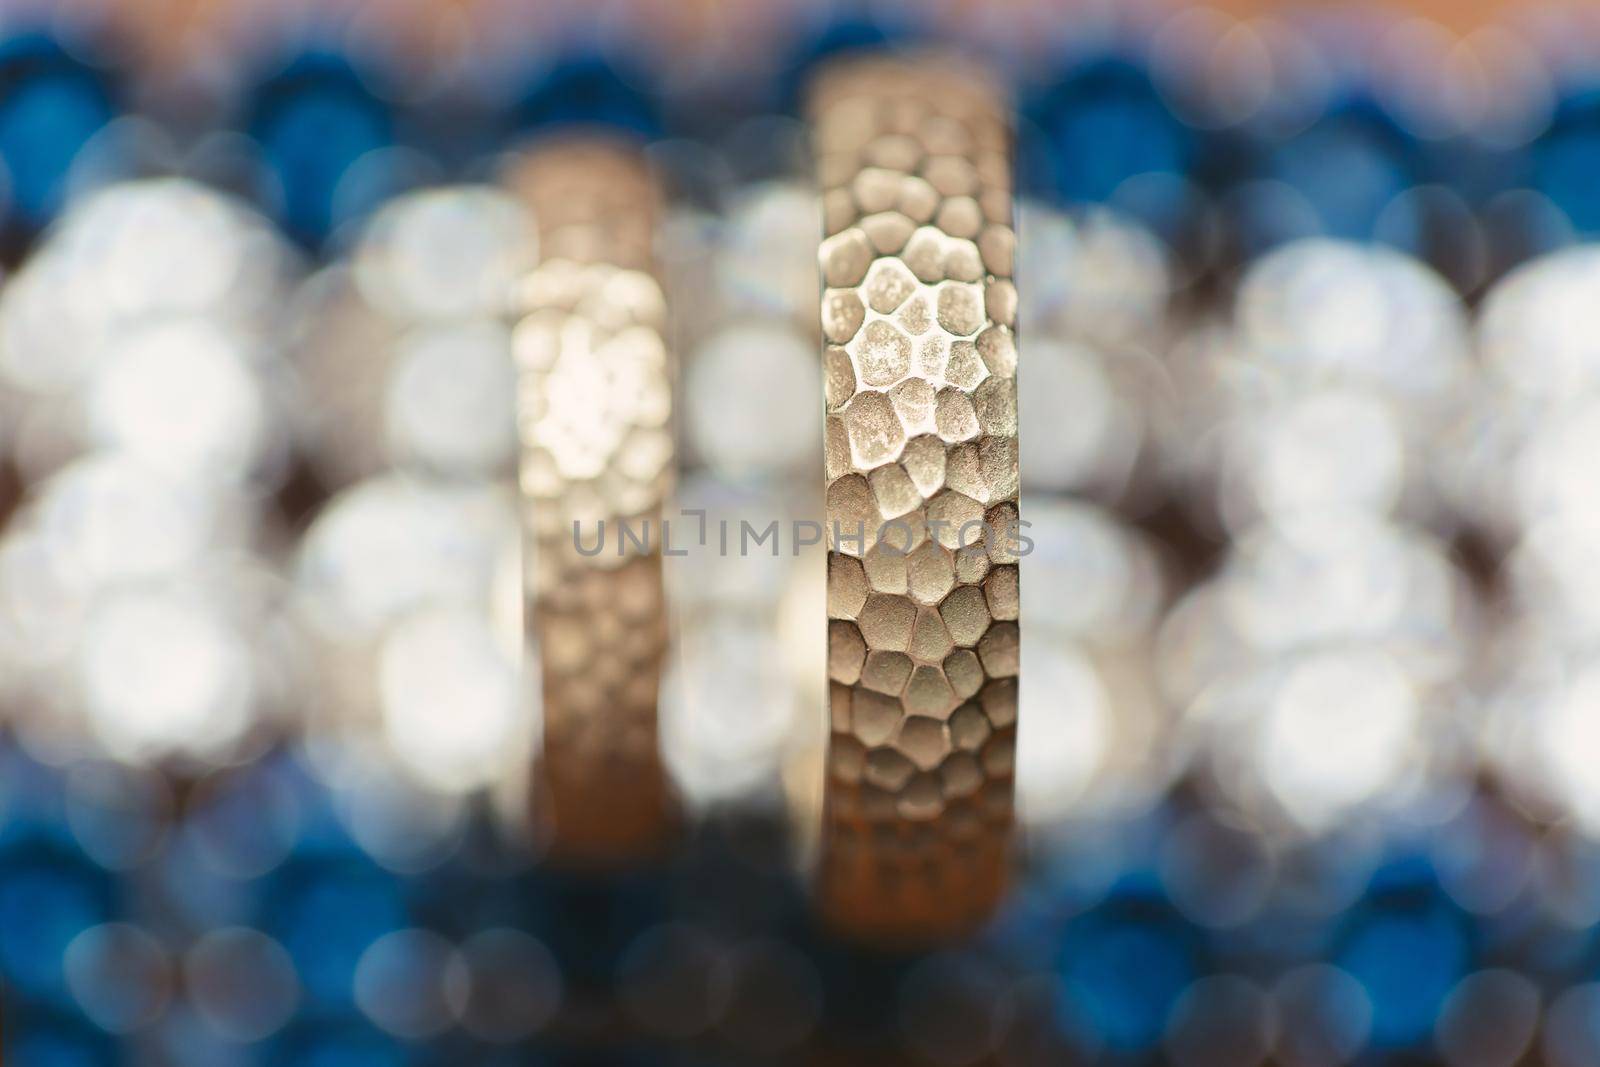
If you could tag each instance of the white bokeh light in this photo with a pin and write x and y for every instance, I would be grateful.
(391, 543)
(148, 322)
(451, 397)
(1312, 664)
(1343, 368)
(767, 260)
(727, 708)
(1340, 730)
(744, 650)
(1093, 731)
(1355, 580)
(451, 700)
(172, 247)
(1539, 329)
(1547, 739)
(1087, 417)
(1552, 474)
(1114, 578)
(110, 518)
(1066, 728)
(1334, 311)
(1324, 451)
(739, 389)
(447, 253)
(180, 396)
(165, 672)
(1098, 278)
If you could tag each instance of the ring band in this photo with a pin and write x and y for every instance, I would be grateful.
(594, 416)
(918, 316)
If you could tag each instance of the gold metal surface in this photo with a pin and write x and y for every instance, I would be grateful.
(918, 317)
(594, 414)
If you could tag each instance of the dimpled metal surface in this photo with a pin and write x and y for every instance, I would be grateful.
(920, 359)
(594, 416)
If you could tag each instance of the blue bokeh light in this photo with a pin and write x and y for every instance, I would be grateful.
(51, 106)
(1123, 967)
(1100, 125)
(587, 90)
(314, 121)
(1408, 946)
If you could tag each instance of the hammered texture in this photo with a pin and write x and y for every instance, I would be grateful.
(594, 417)
(920, 358)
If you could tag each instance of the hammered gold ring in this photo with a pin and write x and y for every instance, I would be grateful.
(918, 314)
(596, 464)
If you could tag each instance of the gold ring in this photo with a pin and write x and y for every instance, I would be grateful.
(918, 317)
(596, 463)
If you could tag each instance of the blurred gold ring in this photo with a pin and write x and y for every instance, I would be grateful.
(594, 416)
(918, 313)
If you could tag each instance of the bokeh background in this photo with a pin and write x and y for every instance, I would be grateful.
(1309, 767)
